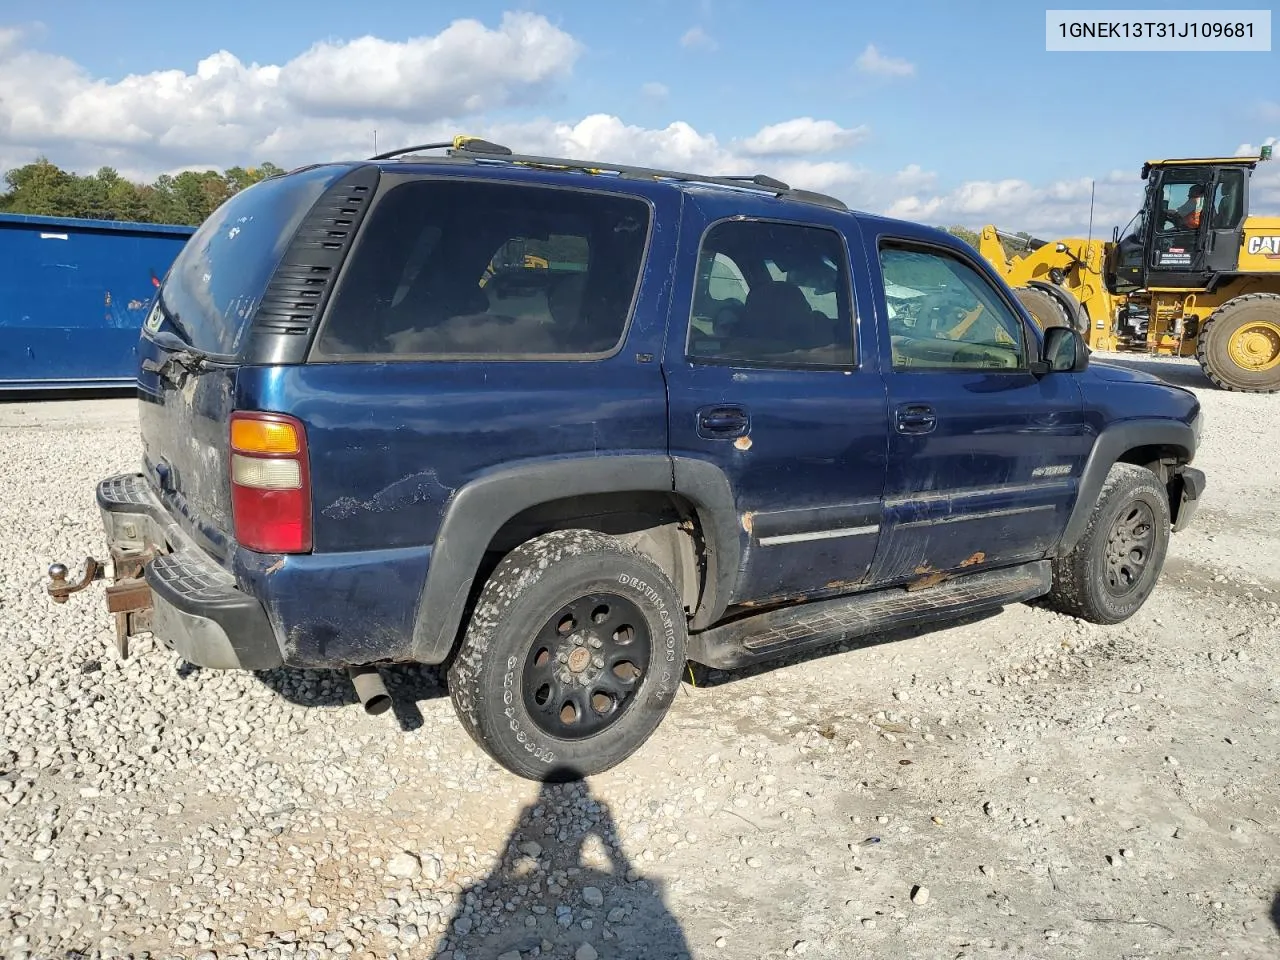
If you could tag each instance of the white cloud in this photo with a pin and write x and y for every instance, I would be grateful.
(872, 61)
(320, 106)
(1049, 210)
(329, 95)
(915, 177)
(802, 135)
(655, 91)
(695, 38)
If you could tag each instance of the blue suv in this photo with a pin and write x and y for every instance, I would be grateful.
(567, 426)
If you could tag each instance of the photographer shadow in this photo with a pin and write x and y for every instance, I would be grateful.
(563, 887)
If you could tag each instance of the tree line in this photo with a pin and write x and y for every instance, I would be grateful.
(43, 188)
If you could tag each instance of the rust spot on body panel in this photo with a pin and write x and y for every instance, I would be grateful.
(976, 559)
(932, 580)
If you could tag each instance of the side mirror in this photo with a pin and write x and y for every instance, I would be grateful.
(1065, 350)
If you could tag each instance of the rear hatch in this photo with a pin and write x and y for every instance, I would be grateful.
(241, 273)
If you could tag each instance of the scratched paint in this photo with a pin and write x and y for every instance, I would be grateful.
(416, 488)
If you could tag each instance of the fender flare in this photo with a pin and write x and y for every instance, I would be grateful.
(1068, 301)
(1111, 445)
(479, 509)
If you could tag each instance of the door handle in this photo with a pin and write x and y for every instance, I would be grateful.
(723, 422)
(916, 418)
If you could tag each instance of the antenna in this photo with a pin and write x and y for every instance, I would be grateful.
(375, 141)
(1093, 189)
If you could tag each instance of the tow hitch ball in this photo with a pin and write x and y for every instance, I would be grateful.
(58, 587)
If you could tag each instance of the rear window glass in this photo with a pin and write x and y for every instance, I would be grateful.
(462, 270)
(215, 283)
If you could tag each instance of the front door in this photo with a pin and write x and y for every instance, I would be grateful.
(766, 382)
(984, 455)
(1176, 251)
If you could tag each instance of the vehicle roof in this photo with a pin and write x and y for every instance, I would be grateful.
(480, 153)
(1249, 162)
(758, 194)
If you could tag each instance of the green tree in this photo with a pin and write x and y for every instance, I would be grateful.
(43, 189)
(964, 233)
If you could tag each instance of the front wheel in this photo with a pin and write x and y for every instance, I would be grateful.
(1111, 571)
(1044, 307)
(572, 657)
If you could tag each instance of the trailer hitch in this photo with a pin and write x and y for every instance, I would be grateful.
(128, 596)
(58, 587)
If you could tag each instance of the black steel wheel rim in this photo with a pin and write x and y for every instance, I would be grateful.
(1129, 546)
(586, 666)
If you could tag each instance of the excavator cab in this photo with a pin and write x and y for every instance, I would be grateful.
(1189, 229)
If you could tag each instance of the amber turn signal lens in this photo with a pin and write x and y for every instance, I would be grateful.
(263, 436)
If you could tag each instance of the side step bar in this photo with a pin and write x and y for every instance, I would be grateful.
(787, 630)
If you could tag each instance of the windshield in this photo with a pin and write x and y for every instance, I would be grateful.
(1134, 227)
(216, 282)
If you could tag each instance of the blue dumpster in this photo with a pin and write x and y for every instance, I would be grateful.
(73, 296)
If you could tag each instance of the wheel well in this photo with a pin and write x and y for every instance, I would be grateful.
(1158, 458)
(1155, 457)
(662, 526)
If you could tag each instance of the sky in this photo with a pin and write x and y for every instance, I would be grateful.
(946, 113)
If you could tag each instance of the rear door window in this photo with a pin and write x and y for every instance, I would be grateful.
(214, 286)
(458, 270)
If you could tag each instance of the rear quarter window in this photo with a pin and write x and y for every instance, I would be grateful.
(214, 286)
(472, 270)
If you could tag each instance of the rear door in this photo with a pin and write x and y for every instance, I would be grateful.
(773, 376)
(984, 456)
(1228, 202)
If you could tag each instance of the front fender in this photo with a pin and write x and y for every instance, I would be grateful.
(1108, 449)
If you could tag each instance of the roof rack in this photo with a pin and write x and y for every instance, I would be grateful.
(476, 149)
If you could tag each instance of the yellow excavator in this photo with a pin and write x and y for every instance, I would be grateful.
(1193, 274)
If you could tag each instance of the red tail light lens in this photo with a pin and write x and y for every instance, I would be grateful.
(270, 483)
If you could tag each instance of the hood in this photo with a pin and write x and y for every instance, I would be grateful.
(1118, 374)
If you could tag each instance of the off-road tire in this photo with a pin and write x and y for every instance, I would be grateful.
(1213, 344)
(1044, 307)
(1080, 578)
(528, 588)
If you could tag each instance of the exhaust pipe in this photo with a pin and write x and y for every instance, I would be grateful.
(370, 689)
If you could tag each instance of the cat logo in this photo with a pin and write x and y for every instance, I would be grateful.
(1269, 247)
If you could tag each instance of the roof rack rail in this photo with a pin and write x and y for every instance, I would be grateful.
(779, 189)
(471, 144)
(477, 149)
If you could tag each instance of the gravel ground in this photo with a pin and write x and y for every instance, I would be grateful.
(1020, 784)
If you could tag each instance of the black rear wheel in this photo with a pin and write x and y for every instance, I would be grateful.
(572, 657)
(1239, 347)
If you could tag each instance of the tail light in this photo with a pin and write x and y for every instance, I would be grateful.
(270, 483)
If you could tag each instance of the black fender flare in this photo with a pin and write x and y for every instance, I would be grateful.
(1111, 444)
(1074, 308)
(479, 509)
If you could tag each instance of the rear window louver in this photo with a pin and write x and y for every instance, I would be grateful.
(294, 298)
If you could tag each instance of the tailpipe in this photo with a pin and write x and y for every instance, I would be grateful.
(370, 689)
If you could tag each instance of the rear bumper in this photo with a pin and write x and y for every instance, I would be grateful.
(198, 610)
(1188, 488)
